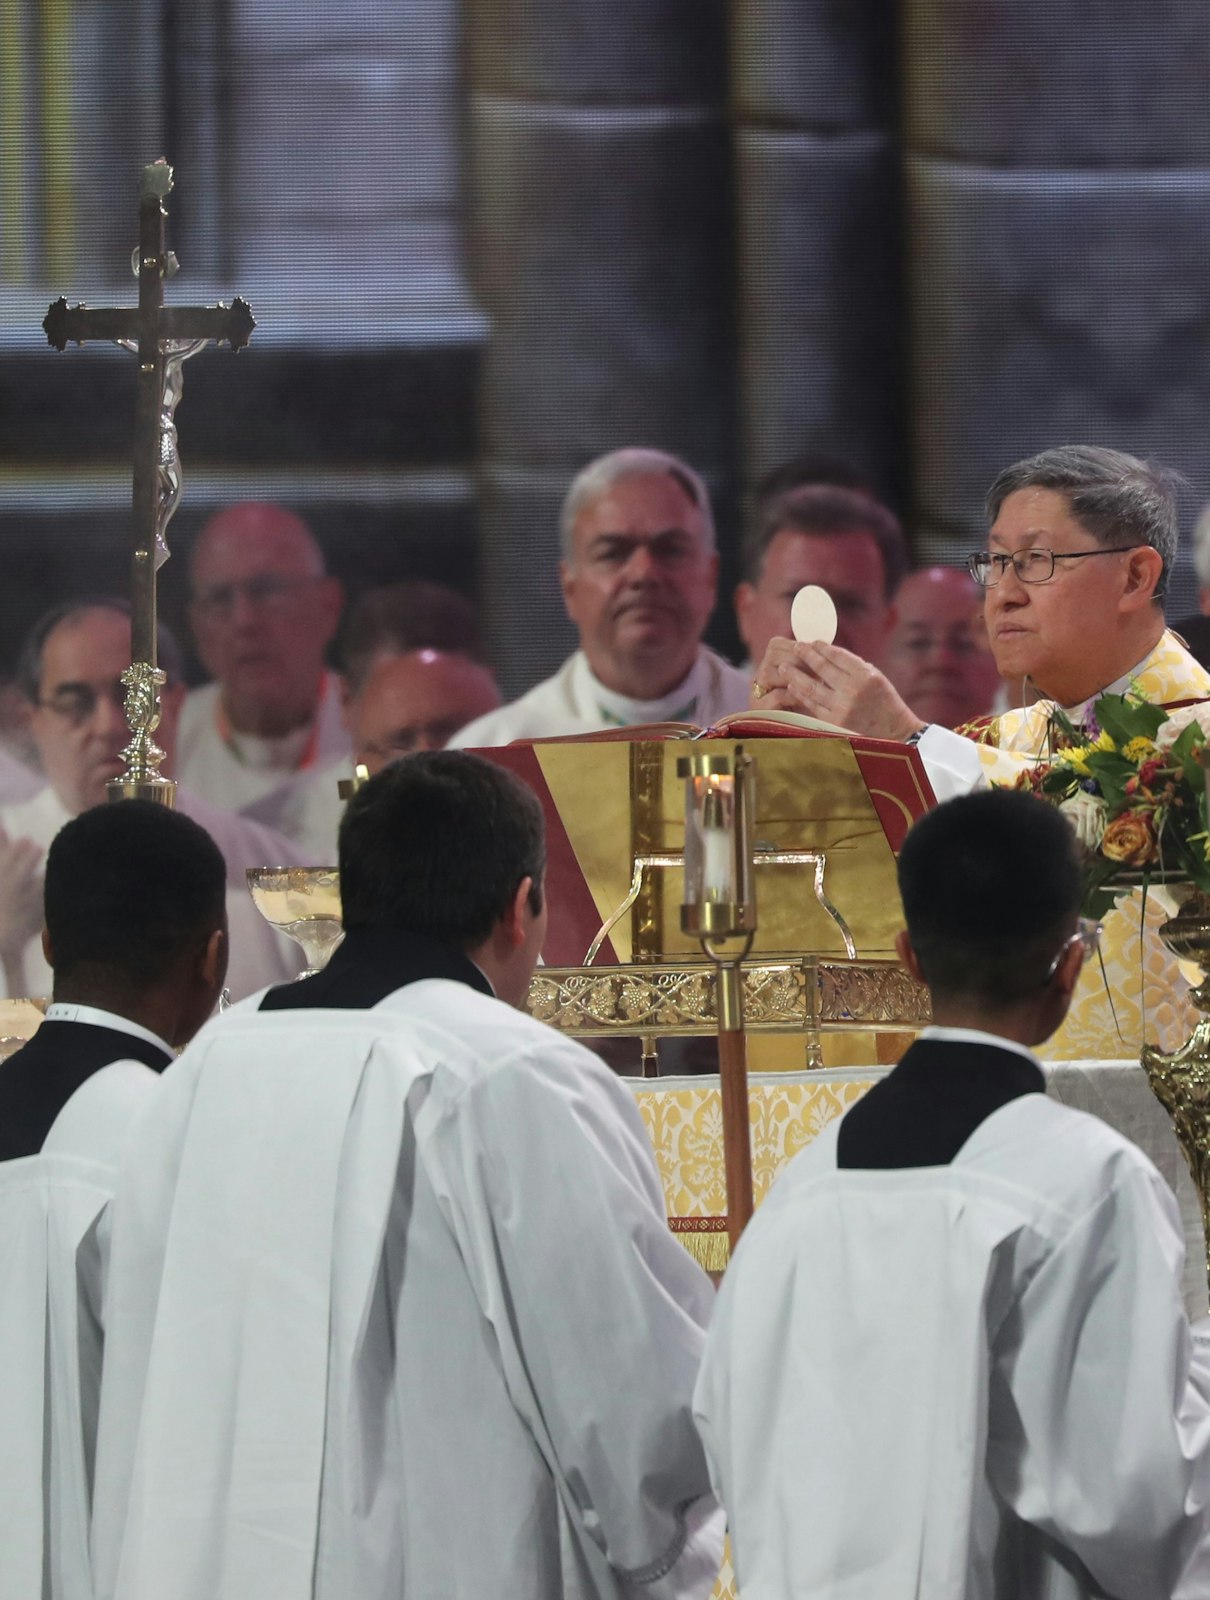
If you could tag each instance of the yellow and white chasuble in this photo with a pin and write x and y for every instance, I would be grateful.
(1141, 997)
(1021, 737)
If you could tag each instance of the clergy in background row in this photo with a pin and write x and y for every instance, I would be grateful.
(839, 538)
(135, 928)
(17, 781)
(640, 579)
(393, 619)
(937, 655)
(951, 1356)
(1080, 546)
(409, 702)
(393, 1306)
(71, 666)
(410, 677)
(262, 610)
(1195, 630)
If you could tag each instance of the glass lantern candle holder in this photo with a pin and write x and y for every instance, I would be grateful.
(719, 900)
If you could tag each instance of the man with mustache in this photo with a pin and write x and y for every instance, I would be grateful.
(639, 576)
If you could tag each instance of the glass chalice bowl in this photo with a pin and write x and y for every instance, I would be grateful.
(304, 903)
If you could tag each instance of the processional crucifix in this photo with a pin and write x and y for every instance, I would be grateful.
(163, 338)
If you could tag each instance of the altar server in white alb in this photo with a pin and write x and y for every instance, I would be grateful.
(640, 579)
(950, 1360)
(136, 932)
(394, 1309)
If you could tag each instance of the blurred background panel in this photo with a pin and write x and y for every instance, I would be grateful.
(485, 243)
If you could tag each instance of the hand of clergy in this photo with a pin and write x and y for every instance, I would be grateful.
(20, 893)
(825, 681)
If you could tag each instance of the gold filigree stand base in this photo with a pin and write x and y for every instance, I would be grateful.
(1180, 1081)
(161, 791)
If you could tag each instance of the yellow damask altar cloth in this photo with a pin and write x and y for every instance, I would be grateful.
(683, 1117)
(1146, 999)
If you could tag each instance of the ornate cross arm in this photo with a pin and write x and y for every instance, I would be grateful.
(223, 324)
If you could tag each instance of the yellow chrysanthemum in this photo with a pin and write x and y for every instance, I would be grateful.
(1077, 758)
(1103, 741)
(1139, 750)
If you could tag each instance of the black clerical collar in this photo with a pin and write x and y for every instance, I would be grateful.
(923, 1113)
(370, 964)
(38, 1080)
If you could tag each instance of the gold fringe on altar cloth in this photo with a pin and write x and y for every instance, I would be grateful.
(706, 1240)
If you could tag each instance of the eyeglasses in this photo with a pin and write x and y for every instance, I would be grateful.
(1088, 933)
(76, 703)
(987, 567)
(268, 592)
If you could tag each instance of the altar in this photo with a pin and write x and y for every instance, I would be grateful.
(684, 1120)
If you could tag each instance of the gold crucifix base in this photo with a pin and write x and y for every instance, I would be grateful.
(161, 791)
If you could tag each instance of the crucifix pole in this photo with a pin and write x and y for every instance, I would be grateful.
(162, 338)
(149, 390)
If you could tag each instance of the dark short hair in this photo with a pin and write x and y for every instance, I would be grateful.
(1116, 498)
(130, 887)
(829, 512)
(437, 844)
(991, 886)
(29, 663)
(399, 617)
(811, 469)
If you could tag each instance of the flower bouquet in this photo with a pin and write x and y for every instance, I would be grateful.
(1131, 781)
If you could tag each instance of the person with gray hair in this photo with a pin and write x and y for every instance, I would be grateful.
(71, 668)
(640, 576)
(1078, 553)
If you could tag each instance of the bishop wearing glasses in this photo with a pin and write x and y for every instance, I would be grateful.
(1079, 549)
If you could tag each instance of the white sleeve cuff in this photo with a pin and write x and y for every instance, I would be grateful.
(951, 762)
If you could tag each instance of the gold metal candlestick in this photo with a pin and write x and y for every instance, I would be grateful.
(719, 908)
(1180, 1081)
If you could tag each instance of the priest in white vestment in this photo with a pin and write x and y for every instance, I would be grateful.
(950, 1359)
(17, 781)
(262, 610)
(394, 1309)
(70, 668)
(135, 920)
(1081, 543)
(397, 703)
(640, 579)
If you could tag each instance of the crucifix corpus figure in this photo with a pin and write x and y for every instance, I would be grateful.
(163, 338)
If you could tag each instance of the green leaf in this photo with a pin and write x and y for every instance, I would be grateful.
(1190, 739)
(1063, 723)
(1124, 718)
